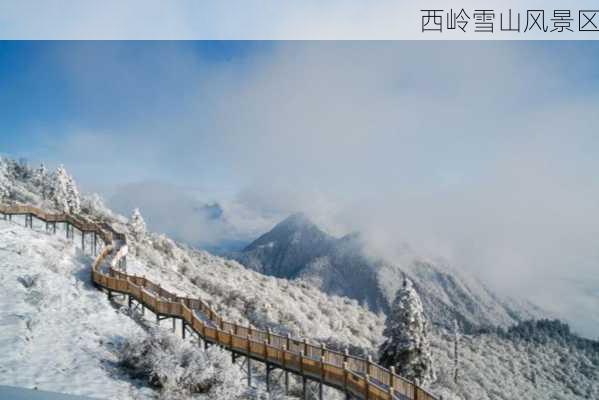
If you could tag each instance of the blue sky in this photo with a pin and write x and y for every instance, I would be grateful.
(51, 88)
(38, 90)
(483, 153)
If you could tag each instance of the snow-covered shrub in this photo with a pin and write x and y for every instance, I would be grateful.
(406, 346)
(181, 368)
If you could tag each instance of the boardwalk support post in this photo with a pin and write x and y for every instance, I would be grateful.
(345, 379)
(95, 244)
(249, 362)
(392, 381)
(286, 383)
(304, 391)
(322, 360)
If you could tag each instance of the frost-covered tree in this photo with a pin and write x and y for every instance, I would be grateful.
(40, 179)
(21, 169)
(73, 198)
(64, 192)
(407, 346)
(137, 225)
(4, 181)
(456, 352)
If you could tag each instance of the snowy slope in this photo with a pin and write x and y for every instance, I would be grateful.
(59, 333)
(78, 353)
(297, 249)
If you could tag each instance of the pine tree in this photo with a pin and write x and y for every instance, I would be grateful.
(137, 225)
(64, 192)
(59, 189)
(73, 198)
(40, 178)
(406, 346)
(4, 181)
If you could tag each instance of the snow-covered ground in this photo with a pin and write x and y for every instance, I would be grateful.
(57, 331)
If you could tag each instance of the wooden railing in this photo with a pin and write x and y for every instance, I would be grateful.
(357, 376)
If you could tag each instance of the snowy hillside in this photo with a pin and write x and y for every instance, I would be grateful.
(243, 296)
(297, 249)
(43, 276)
(58, 333)
(493, 367)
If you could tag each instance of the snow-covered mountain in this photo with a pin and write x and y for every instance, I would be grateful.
(297, 249)
(62, 334)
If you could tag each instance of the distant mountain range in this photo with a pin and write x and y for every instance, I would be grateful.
(298, 249)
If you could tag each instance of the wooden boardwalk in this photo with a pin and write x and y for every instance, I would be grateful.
(357, 377)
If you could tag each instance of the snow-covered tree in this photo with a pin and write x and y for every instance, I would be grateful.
(456, 353)
(21, 169)
(64, 192)
(407, 346)
(4, 181)
(137, 225)
(40, 179)
(73, 198)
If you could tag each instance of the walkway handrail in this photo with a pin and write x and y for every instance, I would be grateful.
(358, 376)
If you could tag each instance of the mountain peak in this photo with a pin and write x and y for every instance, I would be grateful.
(296, 220)
(290, 230)
(287, 247)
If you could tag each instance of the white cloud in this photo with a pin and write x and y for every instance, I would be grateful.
(484, 153)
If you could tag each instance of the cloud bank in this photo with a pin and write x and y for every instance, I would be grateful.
(483, 154)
